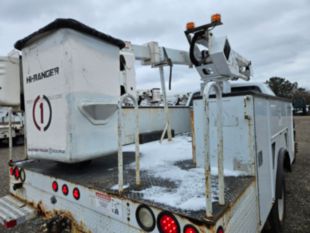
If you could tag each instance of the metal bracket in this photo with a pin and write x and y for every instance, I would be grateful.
(120, 144)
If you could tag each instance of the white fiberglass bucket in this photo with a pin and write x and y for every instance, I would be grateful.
(71, 88)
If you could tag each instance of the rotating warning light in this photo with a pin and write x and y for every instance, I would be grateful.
(190, 25)
(216, 18)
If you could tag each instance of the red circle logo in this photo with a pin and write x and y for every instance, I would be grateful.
(42, 113)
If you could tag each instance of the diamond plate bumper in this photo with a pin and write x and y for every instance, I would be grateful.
(14, 212)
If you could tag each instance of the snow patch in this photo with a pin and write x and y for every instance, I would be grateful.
(159, 159)
(155, 154)
(115, 187)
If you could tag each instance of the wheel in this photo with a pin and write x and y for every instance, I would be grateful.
(18, 140)
(277, 215)
(304, 111)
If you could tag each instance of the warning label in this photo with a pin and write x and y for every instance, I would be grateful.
(103, 200)
(109, 205)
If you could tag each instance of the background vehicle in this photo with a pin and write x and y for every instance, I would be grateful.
(17, 126)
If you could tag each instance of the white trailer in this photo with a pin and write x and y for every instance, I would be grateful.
(226, 175)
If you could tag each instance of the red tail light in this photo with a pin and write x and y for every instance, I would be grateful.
(65, 190)
(10, 224)
(76, 193)
(167, 223)
(16, 173)
(11, 171)
(220, 230)
(190, 229)
(55, 186)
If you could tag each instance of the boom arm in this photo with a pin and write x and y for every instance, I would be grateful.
(152, 54)
(219, 61)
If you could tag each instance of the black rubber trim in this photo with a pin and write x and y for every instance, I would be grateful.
(17, 186)
(252, 93)
(192, 56)
(22, 175)
(280, 172)
(68, 23)
(147, 229)
(171, 215)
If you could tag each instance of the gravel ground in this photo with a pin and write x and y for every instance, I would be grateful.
(298, 182)
(298, 185)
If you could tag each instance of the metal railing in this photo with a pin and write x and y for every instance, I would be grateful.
(220, 150)
(120, 144)
(10, 135)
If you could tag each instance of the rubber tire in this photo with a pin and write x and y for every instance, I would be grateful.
(276, 224)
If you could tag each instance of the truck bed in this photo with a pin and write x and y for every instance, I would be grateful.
(101, 174)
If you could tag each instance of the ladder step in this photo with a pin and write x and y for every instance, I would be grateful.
(14, 211)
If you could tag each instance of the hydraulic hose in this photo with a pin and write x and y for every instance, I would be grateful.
(192, 56)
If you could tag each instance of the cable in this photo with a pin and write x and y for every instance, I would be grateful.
(169, 62)
(196, 37)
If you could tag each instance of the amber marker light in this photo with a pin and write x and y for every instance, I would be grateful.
(216, 18)
(190, 25)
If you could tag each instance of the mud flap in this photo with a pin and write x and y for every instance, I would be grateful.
(14, 212)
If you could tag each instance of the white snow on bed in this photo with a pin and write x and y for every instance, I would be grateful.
(159, 159)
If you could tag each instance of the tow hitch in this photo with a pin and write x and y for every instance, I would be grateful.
(57, 224)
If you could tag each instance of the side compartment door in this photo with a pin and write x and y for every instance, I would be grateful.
(263, 157)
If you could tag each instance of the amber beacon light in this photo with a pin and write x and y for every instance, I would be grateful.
(190, 25)
(216, 18)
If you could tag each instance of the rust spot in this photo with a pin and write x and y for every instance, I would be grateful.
(76, 227)
(41, 209)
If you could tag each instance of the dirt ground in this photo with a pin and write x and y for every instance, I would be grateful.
(297, 182)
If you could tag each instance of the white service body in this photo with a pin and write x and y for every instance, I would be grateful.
(82, 88)
(255, 129)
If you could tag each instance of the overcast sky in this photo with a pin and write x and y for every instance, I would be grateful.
(273, 34)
